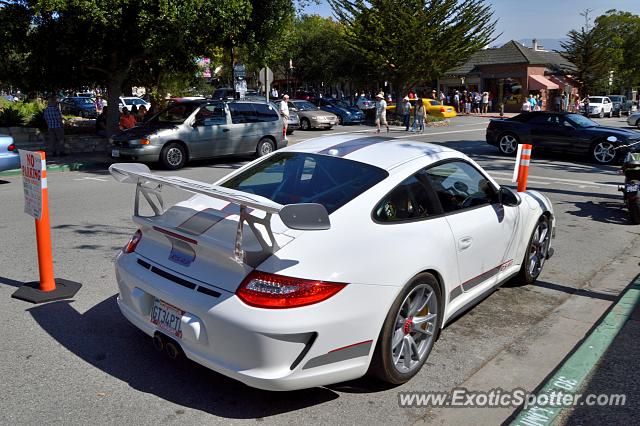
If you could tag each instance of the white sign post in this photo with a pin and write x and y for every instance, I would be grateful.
(33, 168)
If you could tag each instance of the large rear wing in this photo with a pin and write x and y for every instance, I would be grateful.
(303, 216)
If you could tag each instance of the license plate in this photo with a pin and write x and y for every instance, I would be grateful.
(167, 317)
(631, 188)
(115, 153)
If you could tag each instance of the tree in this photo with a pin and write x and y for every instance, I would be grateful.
(15, 19)
(585, 49)
(105, 40)
(415, 40)
(620, 37)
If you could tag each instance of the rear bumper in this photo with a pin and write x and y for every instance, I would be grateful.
(492, 137)
(147, 153)
(283, 349)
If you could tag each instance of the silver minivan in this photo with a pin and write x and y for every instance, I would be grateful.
(202, 129)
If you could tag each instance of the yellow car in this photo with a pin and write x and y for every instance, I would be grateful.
(432, 107)
(436, 109)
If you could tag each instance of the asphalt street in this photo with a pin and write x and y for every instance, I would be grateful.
(81, 362)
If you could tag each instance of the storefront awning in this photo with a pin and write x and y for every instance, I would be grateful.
(561, 81)
(539, 82)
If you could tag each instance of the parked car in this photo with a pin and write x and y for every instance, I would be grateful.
(437, 109)
(398, 238)
(621, 105)
(305, 95)
(9, 157)
(558, 132)
(130, 101)
(346, 113)
(79, 106)
(634, 119)
(202, 129)
(311, 117)
(294, 119)
(599, 106)
(223, 93)
(365, 103)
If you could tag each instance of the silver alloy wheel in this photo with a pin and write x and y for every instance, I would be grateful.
(508, 144)
(604, 152)
(538, 249)
(266, 147)
(414, 328)
(174, 156)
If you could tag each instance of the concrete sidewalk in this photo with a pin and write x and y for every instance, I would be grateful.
(72, 162)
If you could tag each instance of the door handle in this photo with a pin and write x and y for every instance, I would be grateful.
(225, 130)
(465, 243)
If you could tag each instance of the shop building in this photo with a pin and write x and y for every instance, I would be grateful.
(512, 72)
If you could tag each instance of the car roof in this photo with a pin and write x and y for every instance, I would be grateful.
(380, 151)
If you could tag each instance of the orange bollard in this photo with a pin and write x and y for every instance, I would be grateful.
(43, 239)
(523, 167)
(48, 288)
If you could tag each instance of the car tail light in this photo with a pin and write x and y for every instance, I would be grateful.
(145, 141)
(133, 242)
(442, 109)
(11, 147)
(264, 290)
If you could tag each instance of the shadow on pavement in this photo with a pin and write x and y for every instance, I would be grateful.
(615, 374)
(103, 338)
(9, 281)
(576, 291)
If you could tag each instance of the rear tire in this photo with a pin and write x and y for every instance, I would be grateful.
(409, 331)
(601, 114)
(536, 253)
(173, 156)
(305, 124)
(265, 147)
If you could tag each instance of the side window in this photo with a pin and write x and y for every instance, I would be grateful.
(242, 113)
(459, 185)
(266, 112)
(543, 119)
(211, 115)
(407, 201)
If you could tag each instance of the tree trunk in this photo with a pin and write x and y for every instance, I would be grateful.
(114, 86)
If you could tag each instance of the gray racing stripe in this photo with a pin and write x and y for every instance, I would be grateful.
(358, 350)
(345, 148)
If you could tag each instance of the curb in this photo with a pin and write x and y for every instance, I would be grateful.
(67, 167)
(569, 378)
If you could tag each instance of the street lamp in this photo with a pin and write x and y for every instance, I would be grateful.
(289, 70)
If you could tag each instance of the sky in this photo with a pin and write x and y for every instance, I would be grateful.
(541, 19)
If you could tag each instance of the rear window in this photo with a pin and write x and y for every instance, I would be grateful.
(242, 113)
(292, 177)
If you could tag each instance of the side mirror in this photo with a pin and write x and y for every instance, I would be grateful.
(508, 197)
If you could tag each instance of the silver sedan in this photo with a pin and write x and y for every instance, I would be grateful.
(9, 157)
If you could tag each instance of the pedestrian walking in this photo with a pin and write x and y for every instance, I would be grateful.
(526, 105)
(381, 112)
(485, 102)
(284, 112)
(406, 113)
(127, 120)
(586, 105)
(539, 102)
(55, 127)
(468, 103)
(442, 97)
(419, 115)
(456, 101)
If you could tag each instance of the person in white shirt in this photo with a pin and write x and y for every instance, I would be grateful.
(284, 112)
(381, 112)
(274, 93)
(526, 105)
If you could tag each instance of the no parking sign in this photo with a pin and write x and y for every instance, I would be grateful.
(34, 180)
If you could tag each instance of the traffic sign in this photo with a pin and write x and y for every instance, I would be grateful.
(33, 168)
(261, 78)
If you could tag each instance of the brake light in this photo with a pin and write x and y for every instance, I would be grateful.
(442, 109)
(145, 141)
(11, 147)
(133, 242)
(272, 291)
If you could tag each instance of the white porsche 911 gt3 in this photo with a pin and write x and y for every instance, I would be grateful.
(326, 260)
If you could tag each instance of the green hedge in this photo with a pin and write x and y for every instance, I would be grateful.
(18, 114)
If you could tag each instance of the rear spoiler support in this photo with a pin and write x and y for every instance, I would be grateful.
(306, 216)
